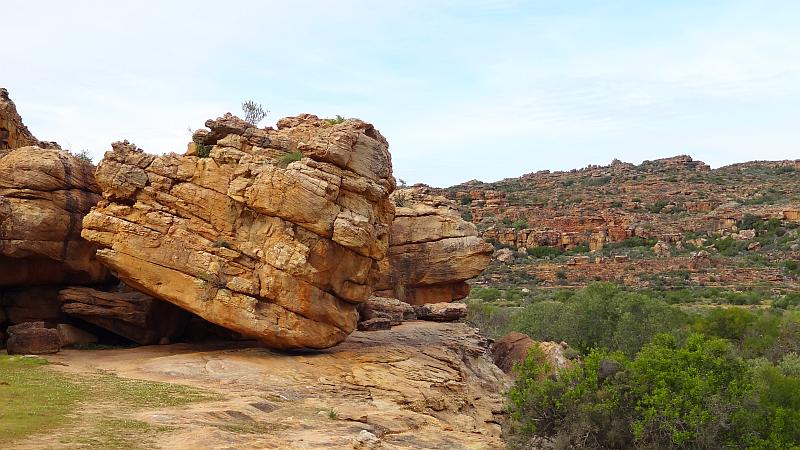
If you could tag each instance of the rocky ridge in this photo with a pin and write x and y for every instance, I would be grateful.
(641, 225)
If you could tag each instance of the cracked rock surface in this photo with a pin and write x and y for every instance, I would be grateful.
(275, 234)
(433, 251)
(418, 385)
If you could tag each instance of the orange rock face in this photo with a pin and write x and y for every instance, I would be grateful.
(237, 233)
(433, 251)
(44, 194)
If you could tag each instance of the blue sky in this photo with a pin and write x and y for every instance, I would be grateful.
(461, 89)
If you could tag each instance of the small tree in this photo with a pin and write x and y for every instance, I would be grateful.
(253, 112)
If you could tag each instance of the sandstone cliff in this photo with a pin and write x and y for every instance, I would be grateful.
(275, 234)
(432, 252)
(44, 194)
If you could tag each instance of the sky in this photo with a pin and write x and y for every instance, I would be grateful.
(461, 89)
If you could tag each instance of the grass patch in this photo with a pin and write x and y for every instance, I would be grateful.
(33, 398)
(289, 158)
(147, 394)
(118, 433)
(36, 400)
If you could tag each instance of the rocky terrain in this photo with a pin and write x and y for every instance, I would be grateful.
(420, 385)
(667, 222)
(285, 235)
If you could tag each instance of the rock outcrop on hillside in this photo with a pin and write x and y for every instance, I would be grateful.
(14, 133)
(432, 252)
(44, 194)
(275, 234)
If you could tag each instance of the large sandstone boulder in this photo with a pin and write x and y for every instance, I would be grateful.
(44, 194)
(237, 233)
(432, 252)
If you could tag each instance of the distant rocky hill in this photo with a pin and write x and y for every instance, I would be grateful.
(668, 222)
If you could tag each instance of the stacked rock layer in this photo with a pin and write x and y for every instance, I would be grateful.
(433, 251)
(276, 234)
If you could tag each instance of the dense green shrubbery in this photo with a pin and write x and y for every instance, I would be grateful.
(600, 315)
(542, 252)
(692, 393)
(653, 376)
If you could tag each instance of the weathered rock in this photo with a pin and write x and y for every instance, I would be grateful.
(420, 385)
(69, 335)
(44, 195)
(503, 255)
(280, 254)
(662, 249)
(32, 304)
(515, 347)
(32, 338)
(378, 323)
(13, 133)
(127, 313)
(433, 251)
(700, 260)
(387, 308)
(441, 312)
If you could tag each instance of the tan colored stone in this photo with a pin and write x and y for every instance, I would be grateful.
(420, 385)
(13, 133)
(441, 312)
(282, 254)
(515, 347)
(432, 252)
(44, 194)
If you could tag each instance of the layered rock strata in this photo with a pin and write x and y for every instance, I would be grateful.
(275, 234)
(433, 251)
(127, 313)
(44, 194)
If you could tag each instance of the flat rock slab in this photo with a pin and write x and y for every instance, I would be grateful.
(418, 385)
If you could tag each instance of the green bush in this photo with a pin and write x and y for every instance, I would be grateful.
(289, 158)
(542, 252)
(336, 120)
(492, 320)
(600, 315)
(486, 294)
(519, 224)
(203, 151)
(670, 395)
(657, 206)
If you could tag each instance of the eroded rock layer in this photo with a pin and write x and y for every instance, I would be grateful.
(432, 252)
(275, 234)
(44, 194)
(126, 313)
(13, 133)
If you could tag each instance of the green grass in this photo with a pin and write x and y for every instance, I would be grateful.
(115, 433)
(36, 399)
(33, 398)
(145, 394)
